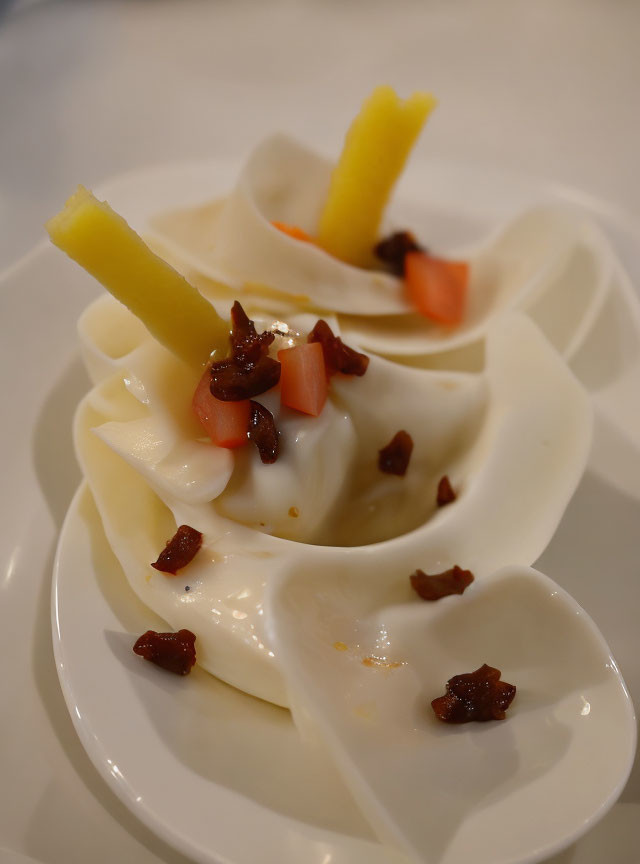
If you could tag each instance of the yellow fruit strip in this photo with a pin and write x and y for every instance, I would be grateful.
(375, 150)
(173, 311)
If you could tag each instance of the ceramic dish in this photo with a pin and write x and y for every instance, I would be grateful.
(147, 741)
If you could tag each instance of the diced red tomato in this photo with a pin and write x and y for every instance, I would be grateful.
(437, 288)
(293, 231)
(226, 423)
(303, 378)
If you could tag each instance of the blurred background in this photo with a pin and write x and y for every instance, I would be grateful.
(91, 88)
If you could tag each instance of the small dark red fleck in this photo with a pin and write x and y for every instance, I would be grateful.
(477, 696)
(263, 433)
(233, 381)
(249, 370)
(246, 344)
(393, 250)
(445, 492)
(394, 458)
(439, 585)
(338, 357)
(175, 652)
(179, 551)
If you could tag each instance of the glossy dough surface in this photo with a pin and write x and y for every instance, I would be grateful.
(513, 439)
(512, 432)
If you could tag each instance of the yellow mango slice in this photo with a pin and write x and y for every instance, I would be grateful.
(374, 153)
(173, 311)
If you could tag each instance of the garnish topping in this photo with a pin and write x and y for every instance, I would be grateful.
(249, 370)
(477, 696)
(436, 287)
(179, 551)
(394, 458)
(175, 652)
(263, 433)
(226, 423)
(173, 311)
(445, 493)
(303, 381)
(439, 585)
(247, 345)
(374, 152)
(338, 357)
(393, 250)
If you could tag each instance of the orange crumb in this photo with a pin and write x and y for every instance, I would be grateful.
(294, 512)
(340, 646)
(293, 231)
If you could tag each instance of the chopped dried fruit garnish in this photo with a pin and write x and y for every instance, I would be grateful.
(394, 458)
(249, 370)
(175, 652)
(445, 492)
(263, 433)
(247, 346)
(437, 288)
(232, 381)
(477, 696)
(439, 585)
(338, 357)
(303, 381)
(226, 423)
(393, 249)
(179, 551)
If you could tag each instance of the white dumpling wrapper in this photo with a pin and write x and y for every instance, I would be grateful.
(518, 473)
(550, 261)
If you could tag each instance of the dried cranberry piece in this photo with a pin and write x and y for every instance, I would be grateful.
(394, 458)
(247, 346)
(249, 370)
(477, 696)
(263, 433)
(393, 249)
(439, 585)
(179, 551)
(232, 381)
(338, 357)
(175, 652)
(445, 492)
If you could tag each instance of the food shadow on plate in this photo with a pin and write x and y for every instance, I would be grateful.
(600, 568)
(217, 730)
(54, 459)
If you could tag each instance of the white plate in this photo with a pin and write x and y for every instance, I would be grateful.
(259, 789)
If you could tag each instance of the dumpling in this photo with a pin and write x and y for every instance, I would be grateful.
(513, 439)
(550, 261)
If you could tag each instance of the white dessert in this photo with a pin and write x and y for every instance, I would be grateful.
(513, 439)
(314, 552)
